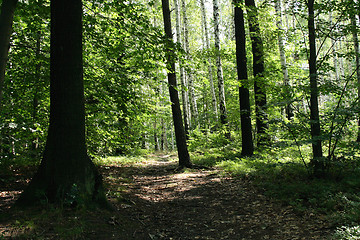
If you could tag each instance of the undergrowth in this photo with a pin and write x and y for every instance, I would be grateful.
(283, 175)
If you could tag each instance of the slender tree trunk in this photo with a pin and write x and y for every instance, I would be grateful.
(219, 72)
(164, 141)
(36, 91)
(184, 158)
(184, 94)
(357, 58)
(66, 174)
(258, 71)
(246, 129)
(335, 60)
(191, 90)
(156, 140)
(281, 44)
(314, 105)
(210, 71)
(6, 20)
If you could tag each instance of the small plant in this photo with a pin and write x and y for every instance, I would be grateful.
(347, 233)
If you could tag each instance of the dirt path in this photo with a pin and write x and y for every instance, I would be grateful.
(156, 202)
(202, 205)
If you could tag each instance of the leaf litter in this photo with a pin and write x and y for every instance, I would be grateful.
(155, 200)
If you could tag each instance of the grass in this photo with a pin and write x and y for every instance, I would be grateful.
(279, 172)
(282, 175)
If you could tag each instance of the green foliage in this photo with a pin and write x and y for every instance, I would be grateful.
(347, 233)
(282, 175)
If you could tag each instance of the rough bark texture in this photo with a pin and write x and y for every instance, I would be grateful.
(210, 71)
(222, 104)
(258, 71)
(314, 105)
(246, 129)
(66, 174)
(184, 158)
(281, 44)
(6, 20)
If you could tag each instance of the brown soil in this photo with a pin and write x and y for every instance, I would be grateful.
(154, 201)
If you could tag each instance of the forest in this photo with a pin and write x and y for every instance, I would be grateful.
(179, 119)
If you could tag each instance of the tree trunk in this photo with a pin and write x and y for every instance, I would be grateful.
(333, 46)
(357, 57)
(184, 94)
(246, 128)
(281, 44)
(34, 144)
(6, 20)
(317, 162)
(184, 158)
(66, 174)
(156, 140)
(193, 105)
(258, 71)
(222, 104)
(210, 71)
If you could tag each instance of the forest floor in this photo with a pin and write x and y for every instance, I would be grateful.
(155, 200)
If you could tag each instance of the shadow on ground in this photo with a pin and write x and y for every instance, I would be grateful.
(155, 201)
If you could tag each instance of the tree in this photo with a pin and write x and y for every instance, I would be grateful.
(191, 90)
(281, 44)
(184, 93)
(66, 174)
(207, 46)
(246, 129)
(184, 158)
(6, 20)
(258, 71)
(317, 163)
(219, 72)
(357, 54)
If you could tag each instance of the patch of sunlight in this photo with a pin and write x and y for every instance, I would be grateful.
(119, 160)
(186, 175)
(236, 167)
(347, 233)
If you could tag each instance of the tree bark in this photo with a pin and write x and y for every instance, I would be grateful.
(66, 174)
(357, 57)
(210, 71)
(258, 71)
(317, 163)
(6, 20)
(246, 128)
(191, 90)
(184, 158)
(184, 94)
(281, 44)
(219, 72)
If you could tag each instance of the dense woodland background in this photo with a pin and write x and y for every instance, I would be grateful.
(297, 74)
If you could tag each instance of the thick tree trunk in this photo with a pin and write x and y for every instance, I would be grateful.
(219, 72)
(210, 71)
(6, 20)
(184, 158)
(258, 71)
(317, 162)
(184, 94)
(246, 129)
(66, 174)
(281, 44)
